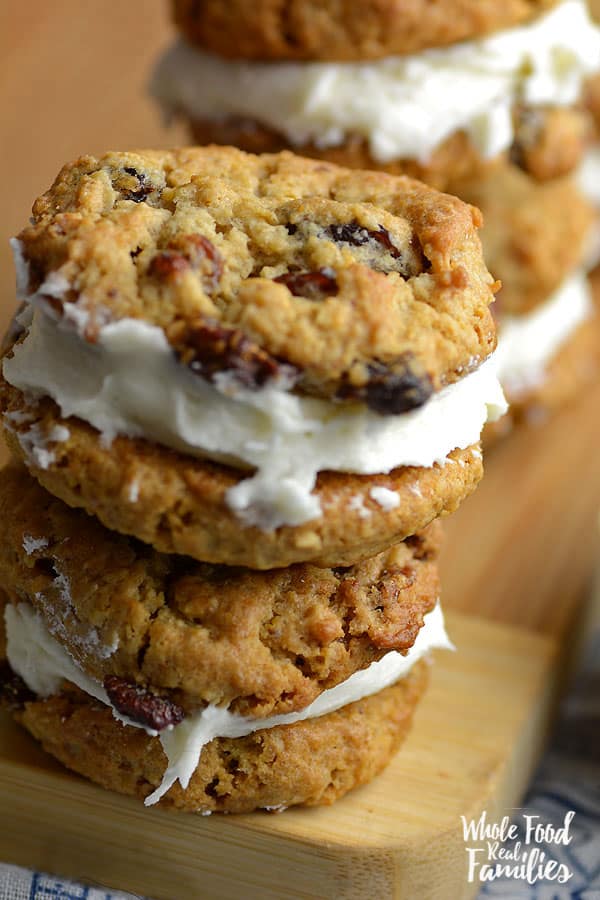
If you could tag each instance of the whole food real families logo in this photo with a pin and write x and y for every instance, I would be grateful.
(517, 848)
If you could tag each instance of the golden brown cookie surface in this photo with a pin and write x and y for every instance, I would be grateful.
(343, 29)
(534, 235)
(265, 266)
(592, 100)
(260, 643)
(178, 504)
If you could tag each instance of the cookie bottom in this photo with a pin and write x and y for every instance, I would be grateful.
(547, 144)
(310, 763)
(179, 504)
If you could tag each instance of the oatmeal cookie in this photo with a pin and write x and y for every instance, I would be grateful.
(348, 30)
(313, 762)
(288, 320)
(534, 234)
(259, 267)
(260, 643)
(177, 503)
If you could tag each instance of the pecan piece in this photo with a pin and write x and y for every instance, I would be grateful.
(167, 264)
(390, 390)
(310, 285)
(189, 251)
(211, 348)
(141, 705)
(14, 693)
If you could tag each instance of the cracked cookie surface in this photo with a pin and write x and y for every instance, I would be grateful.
(155, 628)
(268, 265)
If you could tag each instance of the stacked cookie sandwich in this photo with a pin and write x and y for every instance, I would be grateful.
(479, 98)
(239, 393)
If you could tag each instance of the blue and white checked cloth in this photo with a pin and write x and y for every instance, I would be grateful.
(20, 884)
(568, 779)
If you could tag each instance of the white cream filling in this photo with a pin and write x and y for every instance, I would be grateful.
(588, 181)
(588, 176)
(35, 442)
(130, 383)
(527, 343)
(43, 663)
(384, 497)
(403, 106)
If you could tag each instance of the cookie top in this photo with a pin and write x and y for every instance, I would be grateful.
(260, 643)
(348, 30)
(348, 285)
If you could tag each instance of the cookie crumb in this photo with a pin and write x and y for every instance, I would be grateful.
(357, 504)
(384, 497)
(31, 544)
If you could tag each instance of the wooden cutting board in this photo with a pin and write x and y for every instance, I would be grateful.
(518, 558)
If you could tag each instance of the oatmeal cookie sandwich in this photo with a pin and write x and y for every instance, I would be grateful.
(494, 102)
(204, 687)
(251, 360)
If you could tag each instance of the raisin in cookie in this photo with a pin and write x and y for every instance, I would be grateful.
(184, 760)
(348, 284)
